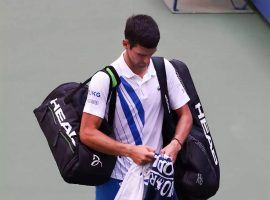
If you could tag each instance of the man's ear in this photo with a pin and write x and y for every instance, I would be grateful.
(125, 43)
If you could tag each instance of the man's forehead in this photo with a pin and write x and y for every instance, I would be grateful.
(144, 51)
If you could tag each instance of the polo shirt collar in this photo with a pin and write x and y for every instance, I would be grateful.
(126, 71)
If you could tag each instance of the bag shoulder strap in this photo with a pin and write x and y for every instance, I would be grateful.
(159, 66)
(114, 77)
(168, 121)
(114, 82)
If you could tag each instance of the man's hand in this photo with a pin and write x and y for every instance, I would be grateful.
(141, 155)
(171, 150)
(183, 128)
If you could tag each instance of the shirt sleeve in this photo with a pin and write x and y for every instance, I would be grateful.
(177, 93)
(97, 95)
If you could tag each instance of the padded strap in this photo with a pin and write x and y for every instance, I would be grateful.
(162, 79)
(168, 128)
(114, 82)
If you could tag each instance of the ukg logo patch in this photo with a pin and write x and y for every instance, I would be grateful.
(94, 93)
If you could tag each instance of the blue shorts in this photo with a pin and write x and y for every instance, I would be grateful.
(108, 190)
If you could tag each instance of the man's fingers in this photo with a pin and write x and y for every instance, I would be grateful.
(143, 155)
(150, 149)
(150, 155)
(162, 151)
(151, 152)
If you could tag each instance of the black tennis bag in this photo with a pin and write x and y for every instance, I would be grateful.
(197, 171)
(59, 117)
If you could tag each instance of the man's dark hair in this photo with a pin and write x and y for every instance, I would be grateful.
(142, 30)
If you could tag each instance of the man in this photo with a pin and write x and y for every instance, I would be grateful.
(139, 112)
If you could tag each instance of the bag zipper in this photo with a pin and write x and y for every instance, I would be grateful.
(67, 140)
(52, 114)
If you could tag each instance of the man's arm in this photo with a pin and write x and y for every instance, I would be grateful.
(183, 128)
(95, 139)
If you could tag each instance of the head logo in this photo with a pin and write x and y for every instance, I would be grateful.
(96, 161)
(63, 121)
(206, 131)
